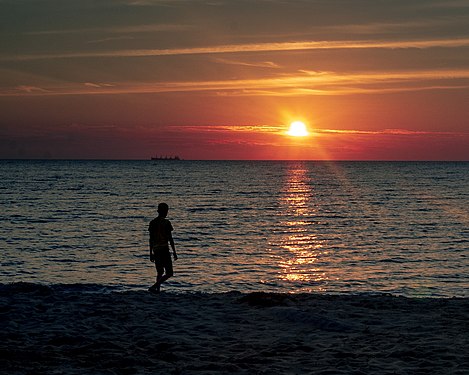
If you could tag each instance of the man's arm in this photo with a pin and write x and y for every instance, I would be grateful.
(171, 242)
(152, 258)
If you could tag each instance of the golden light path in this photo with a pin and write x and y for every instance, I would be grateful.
(301, 245)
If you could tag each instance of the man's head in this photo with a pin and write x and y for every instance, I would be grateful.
(163, 209)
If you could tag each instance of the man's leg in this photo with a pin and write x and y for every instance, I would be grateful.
(168, 272)
(155, 288)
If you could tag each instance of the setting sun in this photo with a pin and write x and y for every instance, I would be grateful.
(297, 129)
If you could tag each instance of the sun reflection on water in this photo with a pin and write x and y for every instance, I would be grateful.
(301, 247)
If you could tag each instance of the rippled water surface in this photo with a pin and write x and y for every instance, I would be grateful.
(278, 226)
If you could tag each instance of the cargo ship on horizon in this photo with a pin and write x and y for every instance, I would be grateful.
(165, 158)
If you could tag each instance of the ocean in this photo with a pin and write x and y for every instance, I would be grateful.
(282, 226)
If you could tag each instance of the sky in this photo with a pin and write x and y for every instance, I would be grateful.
(223, 79)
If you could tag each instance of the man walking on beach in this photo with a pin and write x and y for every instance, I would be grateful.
(160, 235)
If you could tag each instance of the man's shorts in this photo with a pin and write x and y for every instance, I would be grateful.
(163, 258)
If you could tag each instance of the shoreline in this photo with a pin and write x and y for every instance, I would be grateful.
(47, 330)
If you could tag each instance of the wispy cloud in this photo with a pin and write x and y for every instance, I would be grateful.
(149, 28)
(302, 83)
(397, 132)
(260, 64)
(373, 28)
(251, 47)
(27, 89)
(97, 85)
(111, 39)
(280, 130)
(230, 128)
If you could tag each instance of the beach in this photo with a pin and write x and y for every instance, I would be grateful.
(77, 329)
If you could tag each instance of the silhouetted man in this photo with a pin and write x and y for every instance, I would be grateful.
(160, 235)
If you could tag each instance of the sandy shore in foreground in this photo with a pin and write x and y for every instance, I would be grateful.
(47, 330)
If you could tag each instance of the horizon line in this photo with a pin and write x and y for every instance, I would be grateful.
(250, 160)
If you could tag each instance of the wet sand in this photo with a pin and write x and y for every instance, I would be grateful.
(70, 330)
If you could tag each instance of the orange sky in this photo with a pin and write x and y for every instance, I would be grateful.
(222, 80)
